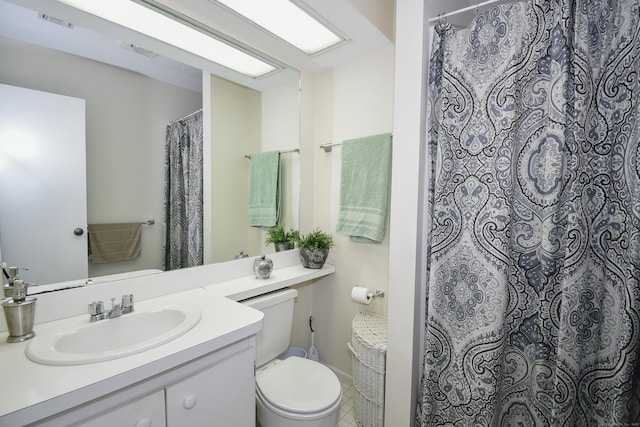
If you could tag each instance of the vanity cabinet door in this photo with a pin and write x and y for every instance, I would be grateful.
(148, 411)
(222, 394)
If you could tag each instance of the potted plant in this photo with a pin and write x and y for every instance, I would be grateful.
(314, 248)
(282, 240)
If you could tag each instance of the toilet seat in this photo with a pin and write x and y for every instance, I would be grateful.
(298, 386)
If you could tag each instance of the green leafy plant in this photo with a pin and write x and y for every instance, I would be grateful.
(315, 240)
(278, 235)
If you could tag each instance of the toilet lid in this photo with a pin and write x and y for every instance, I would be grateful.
(299, 385)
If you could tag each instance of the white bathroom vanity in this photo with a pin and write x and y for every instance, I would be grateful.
(204, 376)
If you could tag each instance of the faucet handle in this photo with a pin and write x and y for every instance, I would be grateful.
(96, 308)
(127, 301)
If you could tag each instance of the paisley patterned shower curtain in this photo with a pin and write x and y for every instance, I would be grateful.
(183, 193)
(533, 311)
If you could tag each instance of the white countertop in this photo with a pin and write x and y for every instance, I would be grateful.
(28, 386)
(26, 383)
(248, 286)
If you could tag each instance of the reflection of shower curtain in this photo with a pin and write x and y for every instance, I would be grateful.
(183, 193)
(533, 311)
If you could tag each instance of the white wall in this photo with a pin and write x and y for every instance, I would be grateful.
(406, 268)
(354, 99)
(235, 132)
(245, 121)
(126, 118)
(378, 93)
(281, 132)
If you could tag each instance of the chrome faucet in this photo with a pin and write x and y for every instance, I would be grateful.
(97, 312)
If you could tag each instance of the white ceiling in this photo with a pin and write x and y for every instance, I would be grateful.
(18, 19)
(23, 24)
(367, 24)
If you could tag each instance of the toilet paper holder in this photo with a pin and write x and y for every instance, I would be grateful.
(375, 293)
(363, 295)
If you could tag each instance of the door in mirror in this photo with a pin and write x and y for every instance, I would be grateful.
(43, 182)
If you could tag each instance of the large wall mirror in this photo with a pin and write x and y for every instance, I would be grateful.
(127, 110)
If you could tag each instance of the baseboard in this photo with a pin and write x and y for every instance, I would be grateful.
(342, 376)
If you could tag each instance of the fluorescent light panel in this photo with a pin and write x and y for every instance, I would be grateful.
(163, 28)
(287, 21)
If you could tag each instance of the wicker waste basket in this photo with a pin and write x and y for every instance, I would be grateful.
(369, 352)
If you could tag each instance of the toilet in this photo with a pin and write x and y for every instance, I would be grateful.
(293, 391)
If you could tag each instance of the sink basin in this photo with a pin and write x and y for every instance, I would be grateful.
(114, 338)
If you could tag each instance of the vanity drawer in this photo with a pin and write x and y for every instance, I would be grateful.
(147, 411)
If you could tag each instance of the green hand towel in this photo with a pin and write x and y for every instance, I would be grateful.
(264, 189)
(364, 187)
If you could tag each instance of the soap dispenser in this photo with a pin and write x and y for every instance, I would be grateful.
(262, 267)
(13, 276)
(19, 312)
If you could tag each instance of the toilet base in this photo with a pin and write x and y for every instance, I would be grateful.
(271, 417)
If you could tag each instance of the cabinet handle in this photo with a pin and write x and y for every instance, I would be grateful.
(190, 401)
(144, 422)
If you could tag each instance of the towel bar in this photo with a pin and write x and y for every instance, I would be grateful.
(328, 147)
(293, 150)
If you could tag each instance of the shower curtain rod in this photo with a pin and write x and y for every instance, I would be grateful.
(187, 116)
(293, 150)
(464, 9)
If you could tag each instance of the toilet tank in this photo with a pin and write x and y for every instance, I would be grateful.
(275, 335)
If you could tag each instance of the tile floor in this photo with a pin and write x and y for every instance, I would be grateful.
(346, 407)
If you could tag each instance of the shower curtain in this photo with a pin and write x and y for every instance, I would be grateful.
(183, 193)
(533, 310)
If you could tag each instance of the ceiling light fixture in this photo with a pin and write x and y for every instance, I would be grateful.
(139, 50)
(170, 31)
(289, 21)
(55, 20)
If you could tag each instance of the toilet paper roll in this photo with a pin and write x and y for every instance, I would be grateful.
(361, 295)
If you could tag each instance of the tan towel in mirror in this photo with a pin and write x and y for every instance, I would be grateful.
(114, 242)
